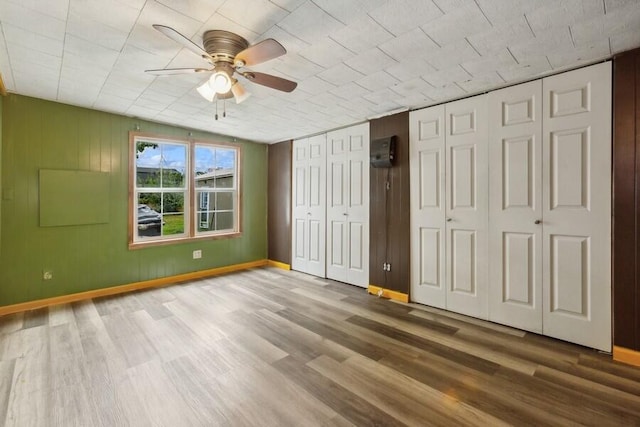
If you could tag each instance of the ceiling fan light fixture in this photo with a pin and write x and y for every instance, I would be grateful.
(238, 92)
(220, 82)
(206, 91)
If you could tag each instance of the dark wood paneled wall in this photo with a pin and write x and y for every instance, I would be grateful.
(626, 200)
(279, 202)
(389, 210)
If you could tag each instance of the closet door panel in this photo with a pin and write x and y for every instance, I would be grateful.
(467, 206)
(348, 205)
(300, 192)
(316, 206)
(515, 206)
(337, 207)
(427, 169)
(577, 206)
(358, 204)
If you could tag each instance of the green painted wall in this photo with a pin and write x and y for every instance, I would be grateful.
(38, 134)
(1, 99)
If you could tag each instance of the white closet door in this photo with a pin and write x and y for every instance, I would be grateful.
(467, 206)
(427, 169)
(577, 206)
(348, 205)
(337, 209)
(317, 206)
(515, 206)
(300, 202)
(309, 205)
(358, 205)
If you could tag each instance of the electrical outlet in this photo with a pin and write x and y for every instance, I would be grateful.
(197, 254)
(47, 275)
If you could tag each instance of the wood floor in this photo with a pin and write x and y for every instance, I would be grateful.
(269, 347)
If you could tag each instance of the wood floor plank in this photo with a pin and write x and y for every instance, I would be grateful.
(293, 338)
(162, 401)
(112, 398)
(6, 373)
(556, 399)
(405, 399)
(433, 347)
(271, 347)
(31, 392)
(129, 338)
(612, 396)
(11, 322)
(470, 386)
(36, 317)
(169, 336)
(353, 343)
(60, 314)
(459, 321)
(349, 405)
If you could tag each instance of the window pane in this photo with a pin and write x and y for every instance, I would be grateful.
(149, 220)
(173, 213)
(215, 167)
(224, 201)
(205, 205)
(172, 178)
(174, 162)
(173, 224)
(224, 221)
(160, 164)
(206, 221)
(226, 164)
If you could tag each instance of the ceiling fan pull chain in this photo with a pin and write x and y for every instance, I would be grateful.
(216, 116)
(224, 107)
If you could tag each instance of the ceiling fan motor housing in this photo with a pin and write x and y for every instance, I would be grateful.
(223, 45)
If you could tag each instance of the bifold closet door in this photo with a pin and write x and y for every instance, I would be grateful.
(577, 206)
(515, 206)
(427, 168)
(466, 215)
(309, 205)
(348, 205)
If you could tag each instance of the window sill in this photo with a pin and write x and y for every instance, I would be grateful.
(165, 242)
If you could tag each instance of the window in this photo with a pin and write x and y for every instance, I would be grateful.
(182, 189)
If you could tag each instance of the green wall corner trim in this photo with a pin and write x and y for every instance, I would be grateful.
(73, 197)
(163, 281)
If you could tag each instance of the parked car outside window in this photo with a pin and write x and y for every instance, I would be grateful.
(149, 221)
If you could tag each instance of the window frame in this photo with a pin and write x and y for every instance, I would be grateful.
(191, 203)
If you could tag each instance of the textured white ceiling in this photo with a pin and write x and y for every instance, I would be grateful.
(352, 59)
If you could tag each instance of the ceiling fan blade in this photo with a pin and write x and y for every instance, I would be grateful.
(261, 52)
(184, 41)
(270, 81)
(171, 71)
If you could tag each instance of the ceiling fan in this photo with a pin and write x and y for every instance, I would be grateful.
(228, 53)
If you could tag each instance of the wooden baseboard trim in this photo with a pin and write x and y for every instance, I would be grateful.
(387, 293)
(278, 264)
(153, 283)
(625, 355)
